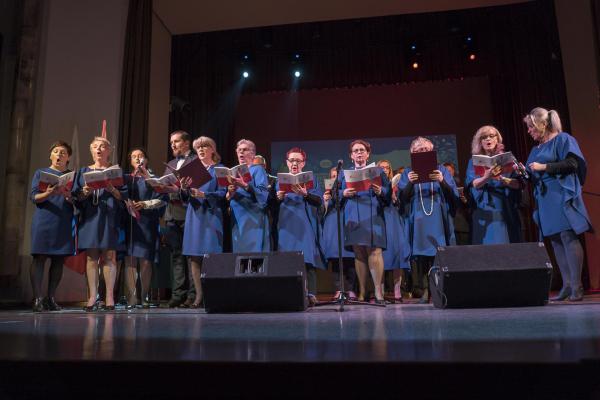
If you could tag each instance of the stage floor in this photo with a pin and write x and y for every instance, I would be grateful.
(406, 333)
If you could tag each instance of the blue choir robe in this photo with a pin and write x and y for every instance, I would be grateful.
(99, 216)
(203, 231)
(397, 253)
(559, 198)
(426, 232)
(364, 222)
(329, 236)
(52, 222)
(495, 211)
(249, 219)
(142, 234)
(299, 227)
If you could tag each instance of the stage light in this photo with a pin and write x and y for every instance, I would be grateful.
(469, 38)
(413, 47)
(297, 73)
(245, 56)
(415, 65)
(297, 56)
(245, 74)
(472, 56)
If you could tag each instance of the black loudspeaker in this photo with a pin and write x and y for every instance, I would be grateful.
(254, 282)
(499, 275)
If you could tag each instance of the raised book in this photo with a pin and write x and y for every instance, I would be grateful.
(423, 164)
(223, 174)
(99, 179)
(194, 170)
(481, 162)
(158, 184)
(362, 179)
(287, 180)
(58, 181)
(329, 183)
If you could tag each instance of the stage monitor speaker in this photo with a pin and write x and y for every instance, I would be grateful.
(254, 282)
(499, 275)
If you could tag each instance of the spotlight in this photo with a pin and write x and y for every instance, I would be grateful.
(413, 47)
(415, 65)
(245, 74)
(297, 73)
(245, 56)
(297, 56)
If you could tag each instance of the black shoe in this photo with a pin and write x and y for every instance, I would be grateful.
(93, 308)
(108, 308)
(576, 295)
(51, 305)
(564, 293)
(381, 302)
(38, 305)
(175, 303)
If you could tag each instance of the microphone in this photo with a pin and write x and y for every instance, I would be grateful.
(522, 171)
(140, 164)
(339, 164)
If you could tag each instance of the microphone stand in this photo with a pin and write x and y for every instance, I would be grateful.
(343, 299)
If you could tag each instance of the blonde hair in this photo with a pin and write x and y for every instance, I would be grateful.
(476, 147)
(103, 140)
(419, 140)
(389, 174)
(248, 142)
(206, 141)
(543, 120)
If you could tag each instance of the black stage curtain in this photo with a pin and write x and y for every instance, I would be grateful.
(135, 87)
(516, 46)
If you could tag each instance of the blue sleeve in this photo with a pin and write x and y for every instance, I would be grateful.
(35, 182)
(567, 145)
(386, 190)
(260, 185)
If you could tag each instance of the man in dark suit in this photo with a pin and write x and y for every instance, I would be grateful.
(182, 294)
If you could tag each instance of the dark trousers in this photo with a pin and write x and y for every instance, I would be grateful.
(421, 271)
(181, 288)
(349, 273)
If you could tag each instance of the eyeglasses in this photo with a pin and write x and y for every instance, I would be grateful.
(359, 151)
(295, 160)
(492, 136)
(243, 150)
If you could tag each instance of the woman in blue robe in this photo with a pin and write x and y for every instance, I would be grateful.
(298, 222)
(364, 223)
(203, 231)
(429, 208)
(142, 232)
(248, 204)
(329, 245)
(557, 170)
(51, 227)
(396, 256)
(495, 195)
(98, 228)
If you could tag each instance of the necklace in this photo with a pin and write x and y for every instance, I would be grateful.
(421, 197)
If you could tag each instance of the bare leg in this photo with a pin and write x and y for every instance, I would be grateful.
(376, 268)
(91, 270)
(131, 279)
(397, 284)
(196, 266)
(109, 270)
(360, 263)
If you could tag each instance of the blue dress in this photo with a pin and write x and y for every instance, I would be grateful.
(299, 227)
(397, 253)
(559, 197)
(427, 232)
(144, 243)
(249, 220)
(203, 232)
(364, 223)
(51, 226)
(99, 216)
(495, 211)
(329, 237)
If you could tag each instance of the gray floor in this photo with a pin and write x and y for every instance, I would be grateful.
(558, 333)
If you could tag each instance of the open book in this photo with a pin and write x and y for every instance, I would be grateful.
(287, 180)
(59, 181)
(158, 183)
(101, 178)
(362, 179)
(194, 170)
(241, 170)
(329, 183)
(482, 162)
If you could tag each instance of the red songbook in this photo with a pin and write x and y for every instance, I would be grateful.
(59, 181)
(100, 179)
(194, 170)
(362, 179)
(286, 180)
(131, 209)
(482, 162)
(329, 183)
(424, 164)
(223, 173)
